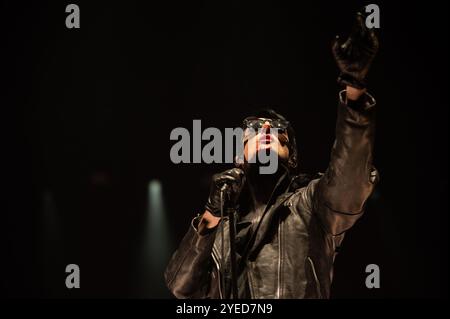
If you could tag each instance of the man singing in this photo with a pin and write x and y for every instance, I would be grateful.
(287, 227)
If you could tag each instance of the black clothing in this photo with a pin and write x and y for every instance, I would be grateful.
(288, 250)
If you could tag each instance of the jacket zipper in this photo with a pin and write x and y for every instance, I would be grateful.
(280, 225)
(219, 273)
(316, 279)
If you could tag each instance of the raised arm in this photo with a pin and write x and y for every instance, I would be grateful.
(342, 192)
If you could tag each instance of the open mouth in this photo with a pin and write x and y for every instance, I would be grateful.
(266, 139)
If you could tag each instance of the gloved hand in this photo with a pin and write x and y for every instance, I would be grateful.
(355, 55)
(235, 179)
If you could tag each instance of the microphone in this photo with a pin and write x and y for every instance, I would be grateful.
(224, 194)
(224, 187)
(239, 174)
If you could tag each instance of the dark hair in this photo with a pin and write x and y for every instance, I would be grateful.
(292, 144)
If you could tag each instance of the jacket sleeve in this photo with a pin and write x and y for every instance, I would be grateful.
(188, 274)
(342, 191)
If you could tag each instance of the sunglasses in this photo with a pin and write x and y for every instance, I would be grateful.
(257, 123)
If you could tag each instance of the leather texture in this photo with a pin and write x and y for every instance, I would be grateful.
(234, 178)
(354, 56)
(291, 252)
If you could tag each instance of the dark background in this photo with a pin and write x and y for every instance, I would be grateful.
(87, 113)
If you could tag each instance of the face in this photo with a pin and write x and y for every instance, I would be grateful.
(266, 135)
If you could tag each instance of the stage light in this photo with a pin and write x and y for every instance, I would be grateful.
(157, 228)
(156, 247)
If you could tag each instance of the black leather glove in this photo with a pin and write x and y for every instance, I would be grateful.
(355, 55)
(234, 178)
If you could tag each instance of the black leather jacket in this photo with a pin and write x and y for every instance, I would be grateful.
(292, 251)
